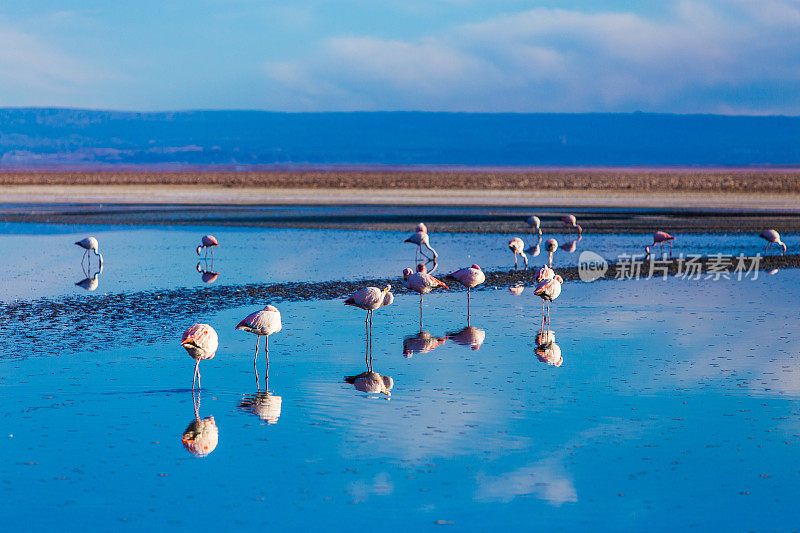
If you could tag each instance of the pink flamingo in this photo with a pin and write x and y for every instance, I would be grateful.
(469, 277)
(369, 299)
(570, 221)
(772, 237)
(262, 323)
(544, 273)
(422, 283)
(548, 290)
(201, 342)
(90, 244)
(660, 237)
(551, 246)
(535, 224)
(421, 237)
(208, 242)
(518, 247)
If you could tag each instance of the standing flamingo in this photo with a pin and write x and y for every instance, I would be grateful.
(772, 237)
(535, 224)
(369, 299)
(518, 247)
(551, 246)
(262, 323)
(201, 342)
(660, 237)
(422, 283)
(208, 242)
(570, 221)
(469, 277)
(421, 237)
(548, 290)
(90, 244)
(544, 273)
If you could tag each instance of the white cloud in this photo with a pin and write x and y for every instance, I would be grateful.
(711, 56)
(30, 67)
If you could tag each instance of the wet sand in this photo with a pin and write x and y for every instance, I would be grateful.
(72, 318)
(473, 214)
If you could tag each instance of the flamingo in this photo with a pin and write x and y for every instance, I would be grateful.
(570, 221)
(660, 237)
(772, 237)
(548, 290)
(208, 242)
(201, 342)
(544, 273)
(369, 299)
(518, 247)
(421, 237)
(551, 246)
(469, 277)
(422, 283)
(535, 224)
(90, 244)
(262, 323)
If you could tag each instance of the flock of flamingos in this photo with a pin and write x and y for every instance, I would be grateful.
(201, 341)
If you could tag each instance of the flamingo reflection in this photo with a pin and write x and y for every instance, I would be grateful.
(469, 336)
(516, 288)
(90, 281)
(201, 436)
(207, 273)
(263, 404)
(370, 381)
(422, 342)
(571, 246)
(549, 353)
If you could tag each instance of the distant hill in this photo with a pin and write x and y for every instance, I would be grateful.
(74, 138)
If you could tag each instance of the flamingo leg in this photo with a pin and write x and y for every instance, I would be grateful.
(194, 374)
(468, 292)
(255, 357)
(266, 349)
(515, 260)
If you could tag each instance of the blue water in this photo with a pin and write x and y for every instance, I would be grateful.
(40, 260)
(675, 406)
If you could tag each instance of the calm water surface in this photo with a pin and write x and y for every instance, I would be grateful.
(675, 404)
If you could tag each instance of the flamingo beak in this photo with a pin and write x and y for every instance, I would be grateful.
(188, 341)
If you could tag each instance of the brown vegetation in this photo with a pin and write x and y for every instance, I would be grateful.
(645, 180)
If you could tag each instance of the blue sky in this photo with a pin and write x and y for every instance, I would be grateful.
(681, 56)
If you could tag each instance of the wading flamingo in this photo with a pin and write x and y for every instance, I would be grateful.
(262, 323)
(544, 273)
(551, 246)
(201, 342)
(570, 221)
(469, 277)
(369, 299)
(90, 244)
(659, 238)
(772, 237)
(535, 224)
(518, 247)
(548, 290)
(421, 237)
(208, 242)
(422, 283)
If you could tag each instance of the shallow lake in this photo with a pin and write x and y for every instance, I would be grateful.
(667, 403)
